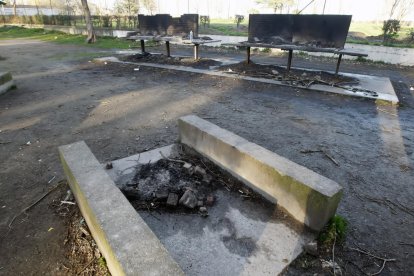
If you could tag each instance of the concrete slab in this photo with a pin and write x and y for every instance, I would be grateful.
(309, 197)
(127, 243)
(239, 237)
(381, 86)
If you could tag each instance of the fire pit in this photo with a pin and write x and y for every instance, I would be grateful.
(215, 204)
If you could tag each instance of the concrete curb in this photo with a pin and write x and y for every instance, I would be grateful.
(6, 82)
(127, 243)
(309, 197)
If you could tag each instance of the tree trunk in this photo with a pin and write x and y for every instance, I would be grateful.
(14, 8)
(89, 27)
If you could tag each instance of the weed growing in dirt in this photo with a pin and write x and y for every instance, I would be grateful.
(335, 230)
(102, 262)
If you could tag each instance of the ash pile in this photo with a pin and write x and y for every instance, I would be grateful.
(184, 185)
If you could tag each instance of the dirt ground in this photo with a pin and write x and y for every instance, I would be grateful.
(61, 98)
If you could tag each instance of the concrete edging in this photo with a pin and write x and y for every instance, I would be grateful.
(125, 240)
(6, 82)
(309, 197)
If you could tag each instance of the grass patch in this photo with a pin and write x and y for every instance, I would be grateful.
(224, 27)
(62, 38)
(334, 230)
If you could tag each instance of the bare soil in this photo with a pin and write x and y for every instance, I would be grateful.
(61, 98)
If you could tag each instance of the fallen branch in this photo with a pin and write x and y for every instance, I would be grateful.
(384, 260)
(324, 152)
(32, 205)
(86, 266)
(172, 160)
(331, 158)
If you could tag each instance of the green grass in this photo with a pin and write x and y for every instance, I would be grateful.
(375, 29)
(224, 27)
(62, 38)
(335, 230)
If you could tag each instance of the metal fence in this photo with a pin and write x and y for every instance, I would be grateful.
(110, 22)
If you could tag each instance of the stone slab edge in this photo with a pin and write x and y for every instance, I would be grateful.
(6, 82)
(6, 86)
(125, 240)
(309, 197)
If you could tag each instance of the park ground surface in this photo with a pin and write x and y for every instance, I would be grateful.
(62, 97)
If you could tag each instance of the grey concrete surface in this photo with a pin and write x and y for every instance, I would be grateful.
(381, 85)
(127, 243)
(239, 237)
(309, 197)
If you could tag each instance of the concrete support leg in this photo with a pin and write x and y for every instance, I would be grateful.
(196, 56)
(142, 46)
(289, 64)
(167, 45)
(248, 55)
(338, 64)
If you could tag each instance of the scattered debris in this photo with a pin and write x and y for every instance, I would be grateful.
(324, 152)
(203, 211)
(172, 200)
(189, 199)
(32, 205)
(384, 260)
(311, 248)
(130, 192)
(50, 180)
(332, 265)
(161, 194)
(210, 200)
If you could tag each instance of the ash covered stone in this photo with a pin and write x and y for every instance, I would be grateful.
(130, 193)
(189, 199)
(172, 200)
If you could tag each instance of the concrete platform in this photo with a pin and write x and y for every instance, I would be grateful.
(6, 82)
(380, 86)
(238, 237)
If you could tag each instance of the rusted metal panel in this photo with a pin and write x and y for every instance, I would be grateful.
(319, 31)
(166, 25)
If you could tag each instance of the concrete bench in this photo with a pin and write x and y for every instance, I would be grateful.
(309, 197)
(308, 33)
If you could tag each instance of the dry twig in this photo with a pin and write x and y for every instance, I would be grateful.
(384, 260)
(32, 205)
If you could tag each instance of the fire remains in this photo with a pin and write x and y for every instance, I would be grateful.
(324, 31)
(166, 25)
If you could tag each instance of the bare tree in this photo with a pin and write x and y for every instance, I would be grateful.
(150, 5)
(276, 5)
(89, 26)
(399, 8)
(14, 8)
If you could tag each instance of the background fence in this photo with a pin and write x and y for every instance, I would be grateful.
(110, 22)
